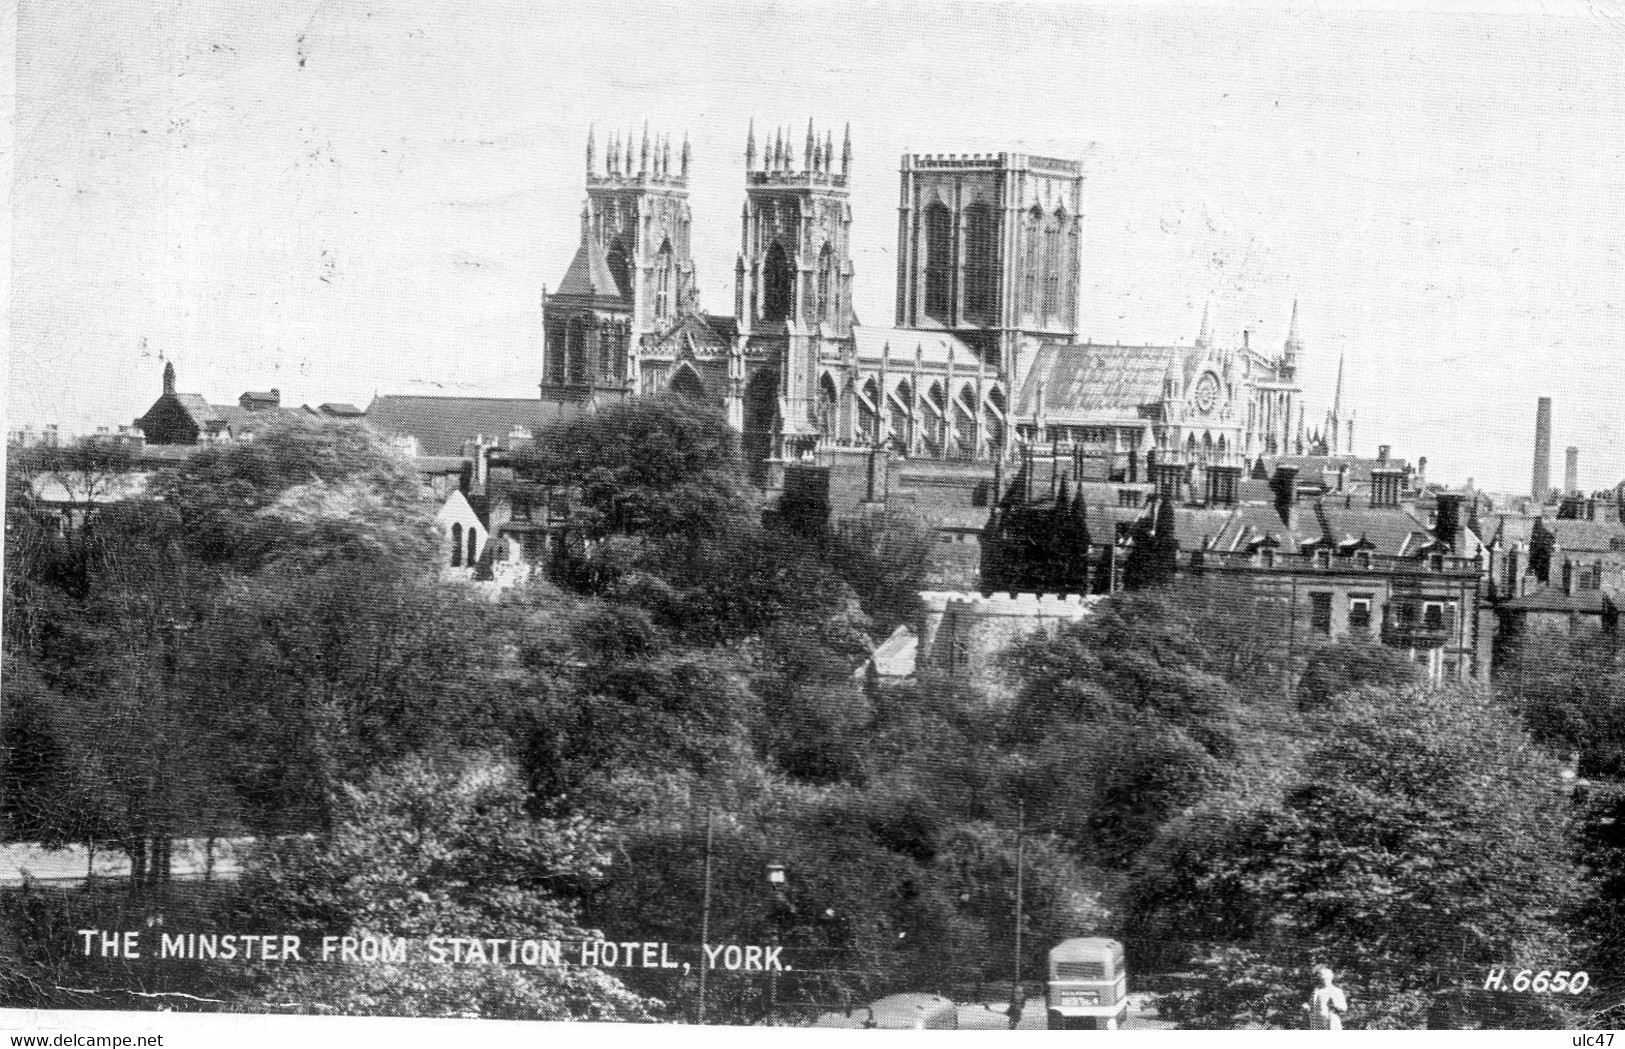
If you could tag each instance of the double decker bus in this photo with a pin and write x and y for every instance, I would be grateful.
(1088, 986)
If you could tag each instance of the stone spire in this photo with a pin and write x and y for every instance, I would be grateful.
(1293, 348)
(829, 151)
(750, 146)
(812, 144)
(612, 155)
(591, 149)
(1337, 399)
(846, 153)
(643, 153)
(684, 160)
(169, 377)
(1203, 338)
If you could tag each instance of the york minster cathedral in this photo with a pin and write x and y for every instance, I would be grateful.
(984, 356)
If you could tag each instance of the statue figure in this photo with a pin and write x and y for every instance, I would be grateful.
(1327, 1004)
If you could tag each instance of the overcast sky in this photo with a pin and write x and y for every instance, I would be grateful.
(344, 198)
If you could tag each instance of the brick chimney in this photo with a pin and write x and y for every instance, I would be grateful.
(1385, 485)
(1540, 485)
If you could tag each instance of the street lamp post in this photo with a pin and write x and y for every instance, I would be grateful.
(1016, 1002)
(778, 878)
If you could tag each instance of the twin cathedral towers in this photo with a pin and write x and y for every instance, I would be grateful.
(988, 273)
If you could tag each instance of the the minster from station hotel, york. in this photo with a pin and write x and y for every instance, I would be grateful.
(980, 398)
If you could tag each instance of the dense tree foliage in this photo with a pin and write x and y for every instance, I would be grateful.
(1424, 842)
(1571, 692)
(437, 848)
(266, 647)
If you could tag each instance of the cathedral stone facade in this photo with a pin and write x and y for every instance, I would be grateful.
(984, 356)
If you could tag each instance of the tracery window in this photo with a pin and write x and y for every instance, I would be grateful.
(981, 262)
(939, 247)
(663, 282)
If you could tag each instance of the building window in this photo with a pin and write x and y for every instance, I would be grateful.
(663, 282)
(1323, 558)
(473, 547)
(961, 652)
(620, 269)
(518, 508)
(1052, 269)
(778, 284)
(1128, 497)
(826, 283)
(1029, 269)
(576, 351)
(1433, 615)
(456, 545)
(1360, 614)
(981, 262)
(1320, 614)
(939, 248)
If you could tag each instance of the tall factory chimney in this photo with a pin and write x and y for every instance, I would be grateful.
(1541, 486)
(1571, 472)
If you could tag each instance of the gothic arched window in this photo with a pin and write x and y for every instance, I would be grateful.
(981, 262)
(456, 545)
(576, 351)
(473, 547)
(663, 282)
(939, 249)
(620, 269)
(1029, 268)
(1052, 266)
(826, 284)
(778, 284)
(1070, 275)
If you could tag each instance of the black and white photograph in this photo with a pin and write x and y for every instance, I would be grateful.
(1002, 516)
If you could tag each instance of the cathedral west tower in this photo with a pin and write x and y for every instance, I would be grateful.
(632, 278)
(792, 285)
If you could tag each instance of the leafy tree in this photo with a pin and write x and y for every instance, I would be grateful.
(1425, 841)
(885, 560)
(304, 490)
(1341, 666)
(438, 847)
(1571, 693)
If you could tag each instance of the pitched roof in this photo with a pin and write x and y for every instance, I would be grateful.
(1086, 381)
(1588, 535)
(442, 425)
(704, 331)
(589, 274)
(898, 345)
(893, 657)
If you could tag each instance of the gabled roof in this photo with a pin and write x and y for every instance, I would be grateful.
(589, 275)
(1088, 381)
(894, 657)
(704, 331)
(442, 425)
